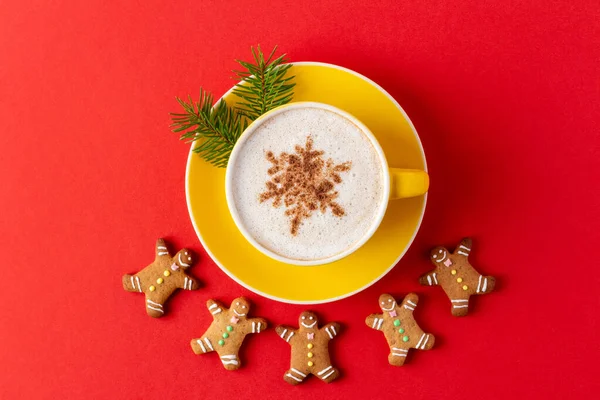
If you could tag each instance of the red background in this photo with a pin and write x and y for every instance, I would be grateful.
(505, 99)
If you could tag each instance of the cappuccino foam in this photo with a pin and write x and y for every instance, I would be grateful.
(351, 206)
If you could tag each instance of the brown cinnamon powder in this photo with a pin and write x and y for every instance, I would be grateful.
(304, 182)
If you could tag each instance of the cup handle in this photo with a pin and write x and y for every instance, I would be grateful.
(407, 183)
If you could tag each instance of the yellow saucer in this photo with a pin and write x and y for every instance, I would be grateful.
(205, 192)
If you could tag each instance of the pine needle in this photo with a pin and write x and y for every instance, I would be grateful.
(262, 87)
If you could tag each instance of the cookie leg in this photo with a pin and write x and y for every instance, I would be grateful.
(460, 307)
(397, 356)
(231, 362)
(486, 284)
(328, 374)
(425, 342)
(132, 283)
(294, 376)
(202, 345)
(154, 308)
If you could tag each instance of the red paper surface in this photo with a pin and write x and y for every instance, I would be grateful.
(505, 98)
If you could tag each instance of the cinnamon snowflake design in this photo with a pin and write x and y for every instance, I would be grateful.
(304, 182)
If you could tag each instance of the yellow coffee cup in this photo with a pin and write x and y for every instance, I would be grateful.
(396, 183)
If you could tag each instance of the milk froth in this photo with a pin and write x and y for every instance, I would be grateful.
(359, 188)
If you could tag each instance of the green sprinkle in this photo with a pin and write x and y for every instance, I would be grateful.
(396, 322)
(221, 342)
(405, 339)
(401, 330)
(225, 335)
(229, 328)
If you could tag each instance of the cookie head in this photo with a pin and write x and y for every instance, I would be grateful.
(440, 256)
(184, 258)
(240, 307)
(308, 320)
(387, 303)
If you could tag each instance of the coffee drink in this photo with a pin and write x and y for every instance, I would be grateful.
(307, 184)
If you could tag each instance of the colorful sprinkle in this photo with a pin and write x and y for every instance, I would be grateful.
(159, 280)
(310, 364)
(310, 345)
(229, 328)
(152, 288)
(167, 273)
(465, 287)
(459, 280)
(221, 342)
(225, 335)
(405, 339)
(401, 330)
(396, 322)
(453, 272)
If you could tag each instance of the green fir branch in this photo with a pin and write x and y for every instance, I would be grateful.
(262, 87)
(220, 127)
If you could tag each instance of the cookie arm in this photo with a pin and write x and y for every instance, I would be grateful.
(430, 278)
(215, 307)
(186, 282)
(374, 321)
(410, 302)
(161, 249)
(332, 329)
(286, 332)
(132, 283)
(464, 248)
(257, 325)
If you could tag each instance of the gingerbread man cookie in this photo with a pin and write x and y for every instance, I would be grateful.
(310, 353)
(457, 277)
(160, 279)
(228, 330)
(399, 327)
